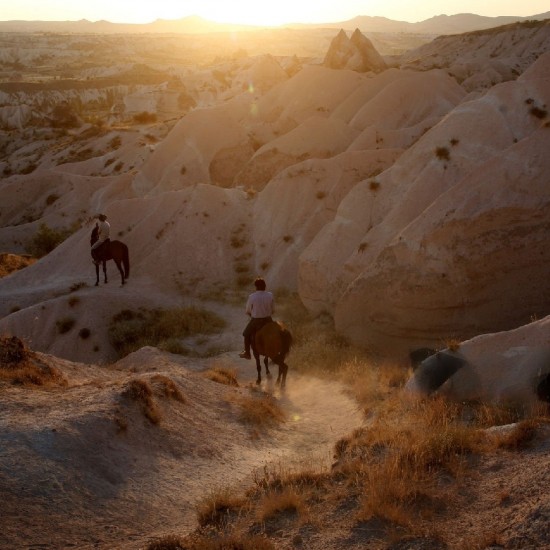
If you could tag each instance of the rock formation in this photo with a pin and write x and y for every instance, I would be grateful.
(356, 54)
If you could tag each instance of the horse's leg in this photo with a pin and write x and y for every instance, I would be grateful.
(118, 264)
(284, 369)
(105, 271)
(258, 366)
(96, 273)
(266, 363)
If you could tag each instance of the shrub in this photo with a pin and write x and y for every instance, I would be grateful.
(65, 324)
(46, 239)
(374, 185)
(19, 366)
(442, 153)
(130, 330)
(214, 509)
(115, 142)
(84, 333)
(13, 262)
(167, 387)
(538, 112)
(77, 286)
(145, 117)
(50, 199)
(169, 542)
(63, 116)
(173, 345)
(287, 500)
(237, 242)
(140, 391)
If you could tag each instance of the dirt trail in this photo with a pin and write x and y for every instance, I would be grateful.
(69, 479)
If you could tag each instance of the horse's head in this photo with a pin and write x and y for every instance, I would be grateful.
(95, 235)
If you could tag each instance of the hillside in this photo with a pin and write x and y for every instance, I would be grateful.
(395, 202)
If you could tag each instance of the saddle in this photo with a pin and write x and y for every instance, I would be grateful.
(97, 254)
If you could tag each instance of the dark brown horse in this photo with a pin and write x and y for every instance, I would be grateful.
(110, 250)
(273, 341)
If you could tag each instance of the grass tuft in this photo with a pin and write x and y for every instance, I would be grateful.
(263, 411)
(222, 375)
(21, 366)
(216, 508)
(168, 387)
(140, 391)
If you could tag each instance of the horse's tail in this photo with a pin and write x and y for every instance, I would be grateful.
(286, 340)
(126, 262)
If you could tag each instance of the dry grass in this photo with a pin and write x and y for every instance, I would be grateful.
(518, 437)
(259, 411)
(21, 366)
(222, 374)
(170, 542)
(13, 262)
(287, 500)
(403, 470)
(212, 541)
(217, 507)
(167, 387)
(398, 460)
(139, 390)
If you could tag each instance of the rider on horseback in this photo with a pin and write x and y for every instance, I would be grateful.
(259, 307)
(103, 236)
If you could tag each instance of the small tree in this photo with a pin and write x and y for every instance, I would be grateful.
(45, 240)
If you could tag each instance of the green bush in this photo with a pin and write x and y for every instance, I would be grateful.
(130, 330)
(65, 324)
(45, 240)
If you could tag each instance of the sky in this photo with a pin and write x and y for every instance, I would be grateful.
(259, 12)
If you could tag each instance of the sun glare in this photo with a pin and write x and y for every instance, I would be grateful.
(252, 13)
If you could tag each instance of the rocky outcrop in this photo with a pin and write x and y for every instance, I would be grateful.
(356, 54)
(482, 59)
(429, 252)
(510, 366)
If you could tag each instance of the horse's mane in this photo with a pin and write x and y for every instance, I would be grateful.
(95, 231)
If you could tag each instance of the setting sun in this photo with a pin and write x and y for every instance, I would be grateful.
(259, 13)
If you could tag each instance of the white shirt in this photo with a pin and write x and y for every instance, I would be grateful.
(103, 230)
(260, 304)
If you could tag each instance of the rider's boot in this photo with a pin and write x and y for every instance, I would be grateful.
(245, 354)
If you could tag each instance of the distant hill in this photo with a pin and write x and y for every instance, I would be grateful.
(191, 25)
(440, 24)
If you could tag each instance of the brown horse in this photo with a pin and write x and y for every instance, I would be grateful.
(273, 341)
(110, 250)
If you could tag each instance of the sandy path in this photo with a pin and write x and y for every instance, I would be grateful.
(68, 479)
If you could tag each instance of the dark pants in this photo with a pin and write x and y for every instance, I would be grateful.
(253, 326)
(98, 253)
